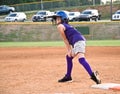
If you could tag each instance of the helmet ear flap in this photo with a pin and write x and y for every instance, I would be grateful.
(65, 20)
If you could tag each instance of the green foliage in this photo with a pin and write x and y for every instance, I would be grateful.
(11, 2)
(67, 2)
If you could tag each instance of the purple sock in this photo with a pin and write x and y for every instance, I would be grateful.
(86, 65)
(69, 65)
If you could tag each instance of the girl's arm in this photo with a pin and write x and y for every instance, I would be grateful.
(61, 29)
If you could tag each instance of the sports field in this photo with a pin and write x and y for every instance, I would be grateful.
(35, 67)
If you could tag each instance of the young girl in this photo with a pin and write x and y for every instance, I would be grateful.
(75, 44)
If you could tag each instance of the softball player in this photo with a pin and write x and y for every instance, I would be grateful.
(75, 44)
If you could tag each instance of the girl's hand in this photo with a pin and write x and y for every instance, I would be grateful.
(70, 53)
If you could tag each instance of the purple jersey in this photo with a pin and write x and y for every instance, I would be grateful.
(72, 34)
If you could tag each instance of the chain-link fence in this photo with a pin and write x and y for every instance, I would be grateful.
(38, 5)
(53, 4)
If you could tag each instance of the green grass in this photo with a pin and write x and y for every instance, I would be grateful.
(59, 43)
(31, 44)
(103, 43)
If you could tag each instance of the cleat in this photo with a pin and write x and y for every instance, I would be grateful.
(95, 77)
(65, 79)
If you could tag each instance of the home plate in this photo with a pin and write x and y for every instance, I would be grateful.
(110, 86)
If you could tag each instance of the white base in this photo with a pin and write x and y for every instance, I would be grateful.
(113, 86)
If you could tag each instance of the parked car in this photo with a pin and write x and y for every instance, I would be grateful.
(41, 16)
(89, 14)
(16, 17)
(116, 15)
(4, 9)
(73, 16)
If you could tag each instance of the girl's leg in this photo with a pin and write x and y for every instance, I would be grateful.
(69, 65)
(79, 49)
(68, 77)
(94, 75)
(84, 63)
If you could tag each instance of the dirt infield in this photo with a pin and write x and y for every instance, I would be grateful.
(36, 70)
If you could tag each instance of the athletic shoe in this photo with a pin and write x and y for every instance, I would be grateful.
(95, 77)
(65, 79)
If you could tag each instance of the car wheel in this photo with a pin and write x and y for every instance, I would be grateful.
(90, 19)
(23, 20)
(15, 20)
(96, 19)
(79, 20)
(75, 19)
(10, 11)
(34, 20)
(99, 17)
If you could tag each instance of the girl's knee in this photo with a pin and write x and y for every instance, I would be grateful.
(69, 57)
(81, 55)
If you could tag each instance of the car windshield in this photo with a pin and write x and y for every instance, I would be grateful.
(41, 13)
(117, 12)
(1, 7)
(12, 15)
(86, 12)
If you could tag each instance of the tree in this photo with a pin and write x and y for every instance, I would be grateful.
(10, 2)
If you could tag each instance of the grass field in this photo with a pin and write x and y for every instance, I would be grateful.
(59, 43)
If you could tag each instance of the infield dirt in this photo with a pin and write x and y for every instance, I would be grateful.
(37, 70)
